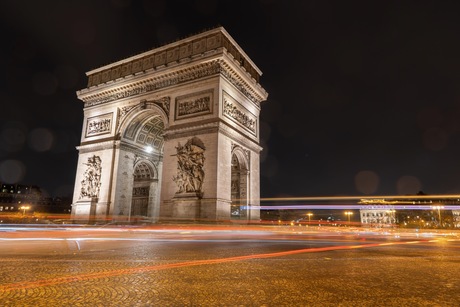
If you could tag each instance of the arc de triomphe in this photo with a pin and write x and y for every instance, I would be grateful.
(172, 133)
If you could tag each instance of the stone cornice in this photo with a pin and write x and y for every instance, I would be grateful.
(180, 131)
(97, 146)
(240, 138)
(212, 127)
(153, 157)
(97, 96)
(195, 46)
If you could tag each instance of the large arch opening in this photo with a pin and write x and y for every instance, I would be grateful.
(142, 142)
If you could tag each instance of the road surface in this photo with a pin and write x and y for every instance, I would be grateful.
(193, 265)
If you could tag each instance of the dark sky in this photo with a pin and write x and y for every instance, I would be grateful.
(364, 96)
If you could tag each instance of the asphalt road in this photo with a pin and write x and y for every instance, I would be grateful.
(192, 265)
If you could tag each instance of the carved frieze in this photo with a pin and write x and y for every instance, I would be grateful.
(194, 104)
(91, 182)
(98, 125)
(190, 162)
(236, 112)
(200, 71)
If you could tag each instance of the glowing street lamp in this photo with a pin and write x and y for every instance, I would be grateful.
(348, 213)
(309, 217)
(24, 208)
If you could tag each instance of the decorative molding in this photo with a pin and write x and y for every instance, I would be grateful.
(239, 137)
(97, 125)
(97, 146)
(163, 103)
(246, 153)
(194, 104)
(153, 84)
(212, 127)
(241, 85)
(239, 114)
(170, 79)
(154, 158)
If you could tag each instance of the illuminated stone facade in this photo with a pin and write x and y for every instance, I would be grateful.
(411, 211)
(172, 133)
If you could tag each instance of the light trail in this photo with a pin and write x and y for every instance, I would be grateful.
(401, 202)
(358, 197)
(355, 207)
(146, 269)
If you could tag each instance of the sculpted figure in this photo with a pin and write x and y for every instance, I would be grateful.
(91, 182)
(190, 162)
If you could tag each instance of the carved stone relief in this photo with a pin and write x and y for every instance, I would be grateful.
(190, 162)
(91, 182)
(236, 112)
(194, 105)
(99, 125)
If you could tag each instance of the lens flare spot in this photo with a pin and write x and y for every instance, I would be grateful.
(12, 171)
(435, 139)
(44, 83)
(367, 182)
(408, 185)
(41, 139)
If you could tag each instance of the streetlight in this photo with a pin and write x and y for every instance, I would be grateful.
(439, 213)
(348, 213)
(24, 208)
(309, 217)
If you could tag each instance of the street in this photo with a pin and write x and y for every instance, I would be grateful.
(204, 265)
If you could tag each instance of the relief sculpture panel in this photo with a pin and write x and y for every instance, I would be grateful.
(194, 105)
(236, 112)
(190, 162)
(98, 125)
(91, 182)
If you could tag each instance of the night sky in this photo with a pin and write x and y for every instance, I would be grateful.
(364, 96)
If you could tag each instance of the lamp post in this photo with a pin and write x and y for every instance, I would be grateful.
(309, 217)
(24, 208)
(348, 213)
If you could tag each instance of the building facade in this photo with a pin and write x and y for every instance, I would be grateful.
(422, 211)
(172, 133)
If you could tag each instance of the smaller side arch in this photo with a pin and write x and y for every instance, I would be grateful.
(145, 190)
(239, 183)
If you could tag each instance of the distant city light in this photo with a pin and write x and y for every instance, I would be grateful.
(149, 149)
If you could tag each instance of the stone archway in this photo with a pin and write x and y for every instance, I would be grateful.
(143, 177)
(239, 185)
(179, 114)
(140, 163)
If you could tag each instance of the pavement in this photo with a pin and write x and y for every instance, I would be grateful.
(227, 267)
